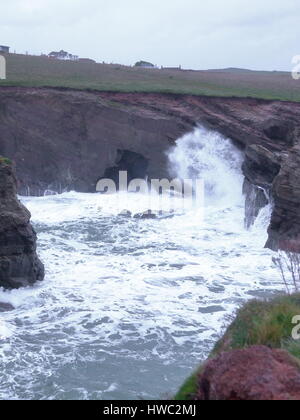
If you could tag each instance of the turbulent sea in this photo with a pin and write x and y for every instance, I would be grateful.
(129, 307)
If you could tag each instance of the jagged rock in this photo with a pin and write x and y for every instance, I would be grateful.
(278, 173)
(256, 373)
(261, 165)
(255, 200)
(125, 213)
(6, 307)
(145, 215)
(19, 264)
(284, 230)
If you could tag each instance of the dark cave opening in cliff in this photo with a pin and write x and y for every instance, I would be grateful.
(135, 164)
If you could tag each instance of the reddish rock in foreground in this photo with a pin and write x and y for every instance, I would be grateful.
(256, 373)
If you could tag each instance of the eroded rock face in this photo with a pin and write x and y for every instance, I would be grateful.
(261, 166)
(79, 137)
(19, 264)
(255, 200)
(256, 373)
(284, 230)
(6, 307)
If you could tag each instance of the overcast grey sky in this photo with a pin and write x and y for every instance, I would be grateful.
(199, 34)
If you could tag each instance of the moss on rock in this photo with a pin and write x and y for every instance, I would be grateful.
(4, 160)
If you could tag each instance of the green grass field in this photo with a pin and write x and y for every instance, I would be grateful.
(36, 71)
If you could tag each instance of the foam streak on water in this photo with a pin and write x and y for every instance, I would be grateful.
(129, 307)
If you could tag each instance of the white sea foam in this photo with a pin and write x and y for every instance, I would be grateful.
(208, 155)
(134, 302)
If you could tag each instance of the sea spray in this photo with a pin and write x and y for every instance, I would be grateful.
(208, 155)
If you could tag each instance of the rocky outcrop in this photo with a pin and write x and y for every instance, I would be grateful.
(261, 166)
(284, 230)
(255, 200)
(79, 137)
(6, 307)
(256, 373)
(19, 264)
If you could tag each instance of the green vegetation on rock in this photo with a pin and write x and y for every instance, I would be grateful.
(189, 387)
(266, 323)
(143, 64)
(34, 71)
(5, 160)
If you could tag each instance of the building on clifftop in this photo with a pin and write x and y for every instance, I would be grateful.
(4, 49)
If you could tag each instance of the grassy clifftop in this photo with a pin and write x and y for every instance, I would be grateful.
(266, 323)
(36, 71)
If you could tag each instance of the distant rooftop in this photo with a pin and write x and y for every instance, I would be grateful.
(4, 48)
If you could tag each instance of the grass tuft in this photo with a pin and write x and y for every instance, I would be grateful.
(266, 323)
(4, 160)
(188, 389)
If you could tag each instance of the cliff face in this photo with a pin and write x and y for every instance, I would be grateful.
(19, 264)
(64, 139)
(68, 140)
